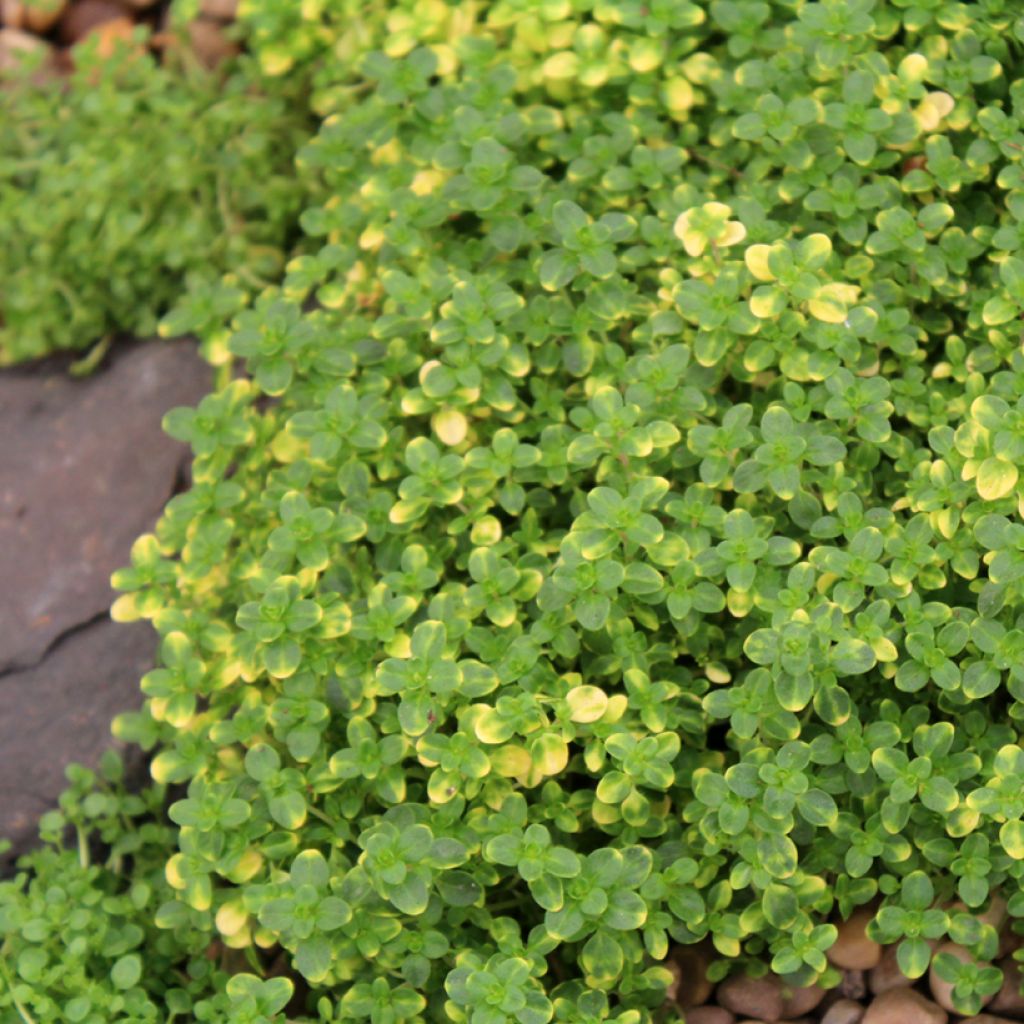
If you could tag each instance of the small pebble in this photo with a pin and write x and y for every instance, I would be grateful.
(752, 998)
(903, 1006)
(709, 1015)
(38, 18)
(1009, 940)
(112, 34)
(82, 18)
(209, 42)
(854, 985)
(845, 1011)
(887, 975)
(689, 966)
(1009, 999)
(798, 1001)
(222, 10)
(15, 45)
(853, 949)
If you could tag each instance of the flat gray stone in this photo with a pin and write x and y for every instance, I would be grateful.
(60, 712)
(84, 469)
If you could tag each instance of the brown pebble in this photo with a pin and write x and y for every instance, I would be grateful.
(16, 45)
(38, 17)
(854, 985)
(1008, 999)
(903, 1006)
(1009, 940)
(853, 949)
(752, 998)
(82, 18)
(887, 975)
(110, 35)
(689, 966)
(209, 42)
(221, 10)
(942, 991)
(798, 1001)
(996, 914)
(709, 1015)
(832, 996)
(843, 1011)
(140, 5)
(987, 1018)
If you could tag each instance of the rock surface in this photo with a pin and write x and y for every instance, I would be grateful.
(890, 998)
(752, 998)
(1009, 1000)
(709, 1015)
(854, 985)
(843, 1011)
(60, 712)
(887, 975)
(209, 42)
(222, 10)
(35, 17)
(903, 1006)
(84, 469)
(16, 46)
(799, 1001)
(690, 985)
(853, 950)
(82, 18)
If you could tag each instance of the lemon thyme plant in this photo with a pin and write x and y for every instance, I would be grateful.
(614, 540)
(79, 936)
(108, 215)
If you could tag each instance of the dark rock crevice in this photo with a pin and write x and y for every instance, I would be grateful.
(71, 631)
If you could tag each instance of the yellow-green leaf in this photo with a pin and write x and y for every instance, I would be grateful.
(756, 259)
(586, 703)
(996, 478)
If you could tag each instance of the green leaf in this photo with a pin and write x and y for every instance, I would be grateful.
(778, 855)
(126, 972)
(818, 808)
(996, 479)
(602, 958)
(410, 896)
(592, 611)
(780, 905)
(913, 957)
(568, 218)
(310, 868)
(1011, 836)
(313, 959)
(917, 892)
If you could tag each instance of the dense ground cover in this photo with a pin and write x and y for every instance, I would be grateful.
(614, 541)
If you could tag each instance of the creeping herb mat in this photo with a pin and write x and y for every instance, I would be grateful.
(613, 543)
